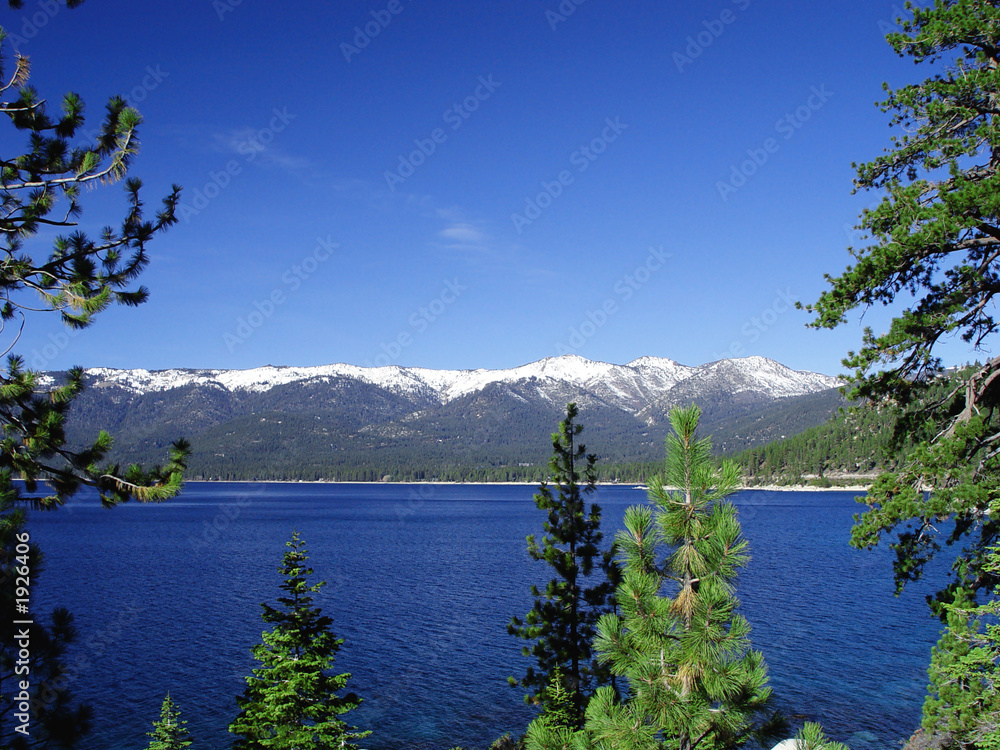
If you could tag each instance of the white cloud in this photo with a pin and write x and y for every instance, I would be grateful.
(462, 232)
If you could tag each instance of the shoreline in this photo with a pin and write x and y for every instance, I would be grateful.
(863, 488)
(638, 485)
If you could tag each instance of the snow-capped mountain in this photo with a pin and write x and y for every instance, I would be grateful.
(279, 419)
(640, 380)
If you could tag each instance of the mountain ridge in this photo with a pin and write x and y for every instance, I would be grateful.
(449, 383)
(333, 421)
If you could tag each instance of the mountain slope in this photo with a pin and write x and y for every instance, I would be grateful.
(343, 421)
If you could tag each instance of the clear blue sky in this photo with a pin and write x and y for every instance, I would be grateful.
(477, 184)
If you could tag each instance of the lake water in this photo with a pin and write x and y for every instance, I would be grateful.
(422, 580)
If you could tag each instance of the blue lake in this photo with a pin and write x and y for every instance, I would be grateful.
(422, 580)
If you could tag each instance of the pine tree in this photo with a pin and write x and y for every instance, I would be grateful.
(812, 737)
(962, 674)
(564, 617)
(557, 727)
(169, 731)
(934, 253)
(76, 278)
(291, 700)
(933, 243)
(693, 682)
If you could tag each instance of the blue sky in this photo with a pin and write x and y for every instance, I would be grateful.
(461, 184)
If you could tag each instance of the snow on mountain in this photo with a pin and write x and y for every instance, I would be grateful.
(660, 371)
(766, 376)
(631, 386)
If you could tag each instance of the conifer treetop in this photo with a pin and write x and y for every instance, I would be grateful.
(169, 731)
(693, 680)
(292, 700)
(562, 621)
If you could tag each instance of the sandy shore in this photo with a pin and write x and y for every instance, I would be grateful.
(862, 488)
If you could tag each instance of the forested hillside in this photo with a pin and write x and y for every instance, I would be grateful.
(347, 429)
(859, 440)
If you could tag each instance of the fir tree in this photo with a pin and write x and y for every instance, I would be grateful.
(693, 682)
(962, 707)
(291, 700)
(563, 620)
(169, 731)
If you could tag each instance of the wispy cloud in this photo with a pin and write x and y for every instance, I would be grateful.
(462, 233)
(456, 235)
(258, 146)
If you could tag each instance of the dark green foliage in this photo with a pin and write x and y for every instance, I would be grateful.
(962, 707)
(78, 278)
(33, 448)
(352, 431)
(291, 700)
(558, 725)
(564, 617)
(857, 441)
(781, 419)
(507, 743)
(962, 690)
(864, 438)
(933, 254)
(692, 679)
(169, 731)
(933, 236)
